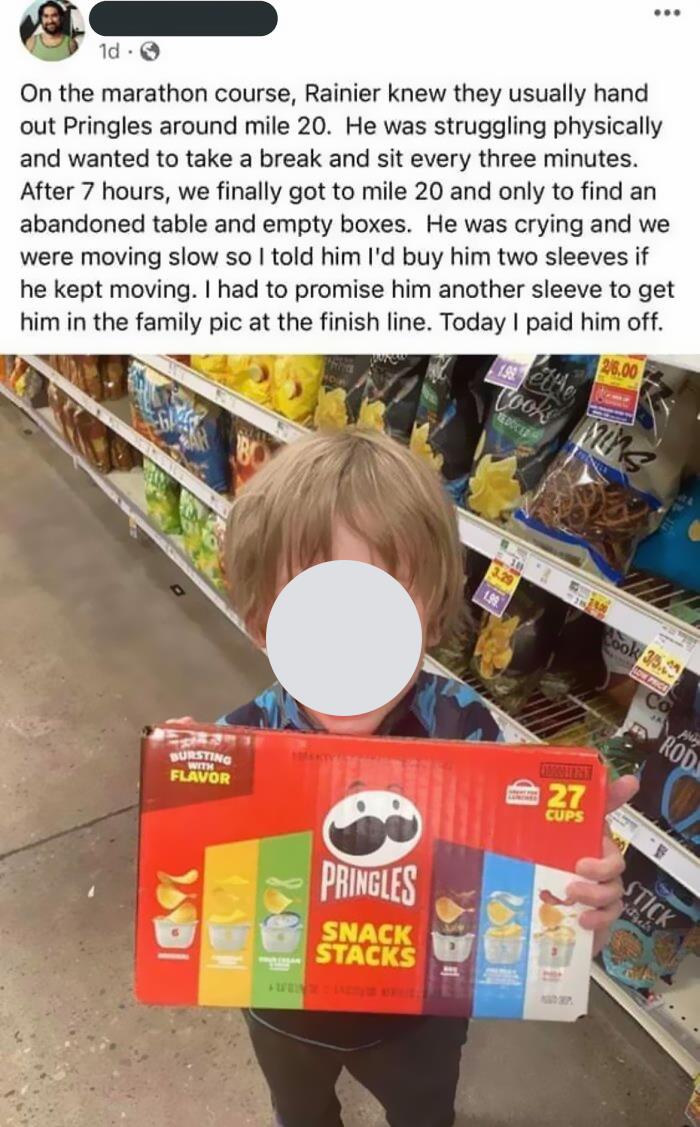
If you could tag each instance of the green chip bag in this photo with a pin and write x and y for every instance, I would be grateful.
(162, 498)
(210, 555)
(193, 514)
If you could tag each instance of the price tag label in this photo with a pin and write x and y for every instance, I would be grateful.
(501, 580)
(615, 392)
(623, 829)
(660, 665)
(586, 599)
(509, 371)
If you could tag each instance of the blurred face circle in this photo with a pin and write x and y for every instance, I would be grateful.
(344, 638)
(51, 20)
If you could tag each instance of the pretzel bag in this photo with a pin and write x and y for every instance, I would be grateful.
(610, 485)
(648, 941)
(524, 429)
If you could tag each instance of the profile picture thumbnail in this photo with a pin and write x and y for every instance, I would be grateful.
(52, 30)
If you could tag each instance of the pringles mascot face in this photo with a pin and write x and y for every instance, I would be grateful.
(371, 828)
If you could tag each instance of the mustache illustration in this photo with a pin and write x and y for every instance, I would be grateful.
(368, 834)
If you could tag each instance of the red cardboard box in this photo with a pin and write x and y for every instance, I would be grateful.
(305, 870)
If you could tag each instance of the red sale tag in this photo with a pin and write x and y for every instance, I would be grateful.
(615, 392)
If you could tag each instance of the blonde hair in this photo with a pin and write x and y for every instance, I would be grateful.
(283, 520)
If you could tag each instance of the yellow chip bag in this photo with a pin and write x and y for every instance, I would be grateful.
(295, 386)
(250, 376)
(213, 366)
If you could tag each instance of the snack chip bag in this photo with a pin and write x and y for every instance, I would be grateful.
(202, 438)
(214, 366)
(250, 376)
(524, 429)
(253, 449)
(673, 551)
(340, 394)
(86, 376)
(647, 941)
(121, 454)
(391, 393)
(113, 375)
(151, 398)
(295, 386)
(210, 556)
(611, 485)
(162, 498)
(91, 439)
(193, 514)
(450, 416)
(512, 652)
(669, 791)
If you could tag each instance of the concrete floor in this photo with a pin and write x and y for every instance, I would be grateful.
(93, 644)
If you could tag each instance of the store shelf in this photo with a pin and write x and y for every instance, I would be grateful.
(126, 490)
(672, 1019)
(284, 430)
(650, 840)
(638, 608)
(689, 363)
(115, 414)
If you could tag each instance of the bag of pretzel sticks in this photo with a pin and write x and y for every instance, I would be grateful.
(610, 485)
(648, 941)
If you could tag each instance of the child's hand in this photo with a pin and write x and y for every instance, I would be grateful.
(602, 889)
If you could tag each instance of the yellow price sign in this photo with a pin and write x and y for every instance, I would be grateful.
(621, 371)
(598, 605)
(502, 577)
(657, 667)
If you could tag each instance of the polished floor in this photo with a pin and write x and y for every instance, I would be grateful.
(93, 645)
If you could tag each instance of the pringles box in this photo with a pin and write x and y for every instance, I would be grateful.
(312, 871)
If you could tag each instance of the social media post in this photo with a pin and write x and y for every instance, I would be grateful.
(392, 616)
(541, 196)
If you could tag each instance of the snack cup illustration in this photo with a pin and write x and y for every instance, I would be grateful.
(174, 935)
(229, 937)
(452, 948)
(503, 949)
(556, 948)
(281, 933)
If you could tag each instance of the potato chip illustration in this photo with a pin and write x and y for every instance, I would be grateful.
(508, 931)
(221, 902)
(498, 913)
(331, 412)
(170, 897)
(275, 901)
(184, 914)
(550, 916)
(446, 910)
(232, 918)
(187, 878)
(419, 445)
(233, 881)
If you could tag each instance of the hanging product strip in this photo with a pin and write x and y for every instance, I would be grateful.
(539, 719)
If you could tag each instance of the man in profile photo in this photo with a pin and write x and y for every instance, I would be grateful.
(51, 44)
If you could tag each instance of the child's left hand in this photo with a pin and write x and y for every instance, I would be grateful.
(602, 889)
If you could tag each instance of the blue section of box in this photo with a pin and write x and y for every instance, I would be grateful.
(502, 947)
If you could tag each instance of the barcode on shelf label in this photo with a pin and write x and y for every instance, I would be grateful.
(661, 664)
(501, 579)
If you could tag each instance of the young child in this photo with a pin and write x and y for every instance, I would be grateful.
(358, 495)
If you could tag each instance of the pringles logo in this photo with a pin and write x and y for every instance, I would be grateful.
(367, 833)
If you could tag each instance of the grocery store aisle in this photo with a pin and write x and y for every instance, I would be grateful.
(93, 645)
